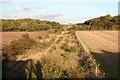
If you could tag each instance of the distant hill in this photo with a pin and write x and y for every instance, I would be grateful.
(27, 25)
(101, 23)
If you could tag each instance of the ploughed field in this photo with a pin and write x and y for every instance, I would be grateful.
(100, 40)
(8, 37)
(103, 45)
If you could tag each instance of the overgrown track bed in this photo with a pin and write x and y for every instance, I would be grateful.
(103, 45)
(52, 56)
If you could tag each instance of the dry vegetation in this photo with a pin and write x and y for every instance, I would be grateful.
(59, 56)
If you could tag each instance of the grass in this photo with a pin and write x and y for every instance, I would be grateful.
(59, 67)
(50, 69)
(54, 47)
(73, 49)
(59, 40)
(68, 49)
(65, 54)
(48, 44)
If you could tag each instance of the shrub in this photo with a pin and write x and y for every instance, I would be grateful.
(65, 54)
(8, 53)
(64, 47)
(50, 69)
(72, 49)
(68, 49)
(48, 44)
(19, 46)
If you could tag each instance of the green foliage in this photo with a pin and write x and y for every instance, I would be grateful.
(55, 25)
(50, 69)
(23, 26)
(73, 49)
(70, 49)
(102, 23)
(28, 25)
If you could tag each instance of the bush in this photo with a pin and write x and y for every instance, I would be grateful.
(72, 49)
(64, 47)
(8, 53)
(17, 47)
(65, 54)
(68, 49)
(50, 69)
(48, 44)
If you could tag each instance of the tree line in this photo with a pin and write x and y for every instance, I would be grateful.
(28, 25)
(100, 23)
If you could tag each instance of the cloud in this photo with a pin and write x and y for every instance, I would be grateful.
(45, 16)
(26, 8)
(48, 16)
(26, 13)
(59, 0)
(5, 1)
(69, 19)
(21, 9)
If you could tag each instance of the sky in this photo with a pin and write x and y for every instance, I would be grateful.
(62, 11)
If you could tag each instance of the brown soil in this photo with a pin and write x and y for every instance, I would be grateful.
(7, 37)
(100, 40)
